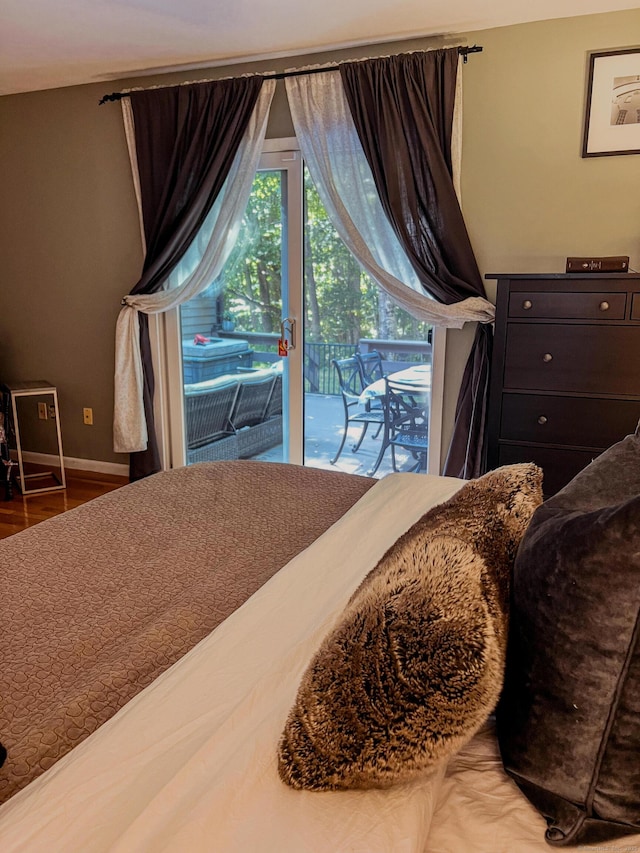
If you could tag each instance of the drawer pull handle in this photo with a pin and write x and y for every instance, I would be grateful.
(527, 304)
(542, 420)
(547, 356)
(604, 306)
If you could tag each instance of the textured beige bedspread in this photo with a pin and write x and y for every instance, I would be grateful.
(96, 603)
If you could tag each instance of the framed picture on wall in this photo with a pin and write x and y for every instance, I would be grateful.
(612, 115)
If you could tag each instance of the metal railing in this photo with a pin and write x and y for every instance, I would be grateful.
(396, 355)
(320, 376)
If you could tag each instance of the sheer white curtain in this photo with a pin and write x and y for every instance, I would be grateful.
(338, 166)
(201, 264)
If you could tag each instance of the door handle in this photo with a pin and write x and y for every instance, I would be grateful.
(288, 332)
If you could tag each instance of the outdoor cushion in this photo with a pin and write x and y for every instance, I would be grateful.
(210, 385)
(248, 375)
(569, 719)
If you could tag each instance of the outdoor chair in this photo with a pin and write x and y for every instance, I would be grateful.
(255, 428)
(207, 408)
(355, 412)
(251, 403)
(372, 371)
(274, 406)
(407, 423)
(371, 366)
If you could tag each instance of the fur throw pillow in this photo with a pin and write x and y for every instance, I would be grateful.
(415, 664)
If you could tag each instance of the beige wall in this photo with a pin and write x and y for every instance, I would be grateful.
(69, 245)
(529, 198)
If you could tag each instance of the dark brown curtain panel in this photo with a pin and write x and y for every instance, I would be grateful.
(402, 107)
(186, 140)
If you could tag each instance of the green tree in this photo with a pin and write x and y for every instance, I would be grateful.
(342, 303)
(252, 274)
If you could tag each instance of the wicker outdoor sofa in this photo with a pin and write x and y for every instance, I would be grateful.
(234, 417)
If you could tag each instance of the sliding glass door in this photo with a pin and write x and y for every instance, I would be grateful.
(234, 394)
(251, 362)
(354, 337)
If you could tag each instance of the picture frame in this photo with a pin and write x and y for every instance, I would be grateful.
(612, 113)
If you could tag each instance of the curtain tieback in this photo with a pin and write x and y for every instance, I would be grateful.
(129, 422)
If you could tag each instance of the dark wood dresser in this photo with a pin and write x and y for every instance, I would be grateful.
(565, 376)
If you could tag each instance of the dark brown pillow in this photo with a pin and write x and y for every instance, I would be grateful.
(415, 663)
(569, 719)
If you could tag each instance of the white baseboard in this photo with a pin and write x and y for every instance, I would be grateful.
(71, 462)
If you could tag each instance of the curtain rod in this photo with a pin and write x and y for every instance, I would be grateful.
(280, 75)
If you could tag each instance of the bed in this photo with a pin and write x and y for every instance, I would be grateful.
(142, 707)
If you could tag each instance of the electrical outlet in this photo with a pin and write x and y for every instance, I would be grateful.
(43, 412)
(87, 416)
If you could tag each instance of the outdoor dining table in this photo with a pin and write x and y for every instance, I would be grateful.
(416, 378)
(417, 381)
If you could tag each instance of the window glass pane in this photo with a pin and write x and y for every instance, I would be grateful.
(347, 312)
(232, 374)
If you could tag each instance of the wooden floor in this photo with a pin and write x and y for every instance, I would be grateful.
(82, 486)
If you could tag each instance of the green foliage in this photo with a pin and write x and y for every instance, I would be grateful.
(349, 305)
(251, 276)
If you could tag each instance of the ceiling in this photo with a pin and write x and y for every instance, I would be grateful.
(46, 44)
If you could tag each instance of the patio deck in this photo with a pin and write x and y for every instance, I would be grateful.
(324, 422)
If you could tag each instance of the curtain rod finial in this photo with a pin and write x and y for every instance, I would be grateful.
(465, 51)
(114, 96)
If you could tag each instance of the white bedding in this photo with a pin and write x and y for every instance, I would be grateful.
(189, 765)
(479, 809)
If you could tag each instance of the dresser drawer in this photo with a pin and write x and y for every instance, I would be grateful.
(583, 359)
(572, 421)
(568, 305)
(559, 466)
(635, 307)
